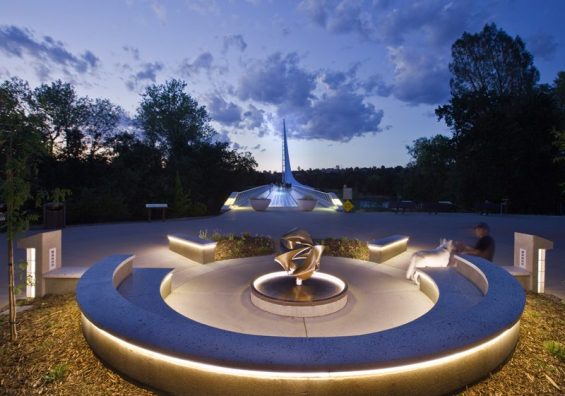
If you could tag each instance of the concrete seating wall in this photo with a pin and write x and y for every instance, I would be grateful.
(153, 344)
(381, 250)
(193, 248)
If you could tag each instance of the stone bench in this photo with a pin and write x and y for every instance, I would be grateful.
(381, 250)
(439, 352)
(523, 276)
(62, 280)
(193, 248)
(154, 206)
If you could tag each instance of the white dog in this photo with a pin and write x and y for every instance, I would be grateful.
(438, 257)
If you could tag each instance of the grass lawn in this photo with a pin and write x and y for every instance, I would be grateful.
(51, 356)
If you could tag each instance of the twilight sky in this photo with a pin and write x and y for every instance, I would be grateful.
(356, 80)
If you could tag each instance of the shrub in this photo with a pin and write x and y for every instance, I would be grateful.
(556, 348)
(93, 206)
(239, 246)
(56, 373)
(345, 247)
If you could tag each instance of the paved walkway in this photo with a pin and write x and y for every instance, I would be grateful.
(84, 245)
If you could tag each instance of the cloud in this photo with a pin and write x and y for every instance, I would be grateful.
(160, 11)
(234, 41)
(21, 42)
(416, 33)
(222, 137)
(334, 79)
(542, 46)
(349, 81)
(339, 117)
(256, 147)
(340, 16)
(133, 51)
(204, 61)
(204, 7)
(147, 73)
(376, 85)
(225, 112)
(321, 105)
(419, 77)
(237, 146)
(389, 22)
(254, 118)
(278, 80)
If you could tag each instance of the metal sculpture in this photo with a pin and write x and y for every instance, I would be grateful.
(301, 258)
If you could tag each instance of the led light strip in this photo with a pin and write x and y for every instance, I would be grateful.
(191, 244)
(389, 246)
(505, 336)
(281, 274)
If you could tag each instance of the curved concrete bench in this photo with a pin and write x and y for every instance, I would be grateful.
(441, 351)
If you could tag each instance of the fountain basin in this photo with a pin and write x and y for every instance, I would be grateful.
(278, 293)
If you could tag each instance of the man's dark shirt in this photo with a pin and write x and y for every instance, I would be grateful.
(486, 246)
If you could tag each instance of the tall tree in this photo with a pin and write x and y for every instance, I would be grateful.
(559, 95)
(492, 63)
(502, 123)
(100, 124)
(20, 143)
(64, 112)
(432, 167)
(172, 120)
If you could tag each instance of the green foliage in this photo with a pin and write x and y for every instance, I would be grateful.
(94, 205)
(556, 348)
(502, 124)
(430, 174)
(82, 149)
(245, 245)
(181, 204)
(56, 373)
(24, 279)
(63, 112)
(492, 63)
(214, 236)
(172, 119)
(345, 247)
(20, 148)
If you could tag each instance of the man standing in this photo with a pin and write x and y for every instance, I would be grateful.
(485, 244)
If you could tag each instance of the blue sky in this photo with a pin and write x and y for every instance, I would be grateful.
(356, 80)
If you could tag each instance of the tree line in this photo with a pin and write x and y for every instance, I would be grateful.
(507, 130)
(109, 165)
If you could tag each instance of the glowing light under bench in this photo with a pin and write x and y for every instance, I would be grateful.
(281, 274)
(391, 246)
(199, 250)
(384, 249)
(195, 245)
(370, 379)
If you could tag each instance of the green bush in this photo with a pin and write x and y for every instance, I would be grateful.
(93, 206)
(56, 373)
(239, 246)
(556, 348)
(345, 247)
